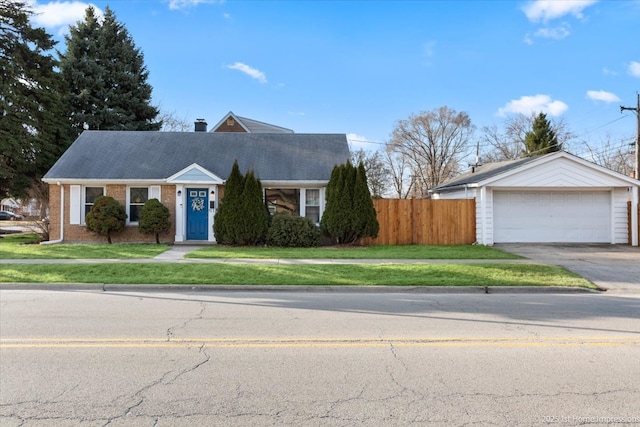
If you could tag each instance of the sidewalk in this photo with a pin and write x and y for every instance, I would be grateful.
(176, 253)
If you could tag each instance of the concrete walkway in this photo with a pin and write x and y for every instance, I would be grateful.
(612, 267)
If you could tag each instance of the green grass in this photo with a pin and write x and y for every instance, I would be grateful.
(24, 246)
(489, 274)
(355, 252)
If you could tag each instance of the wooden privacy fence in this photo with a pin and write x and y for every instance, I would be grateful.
(425, 222)
(630, 223)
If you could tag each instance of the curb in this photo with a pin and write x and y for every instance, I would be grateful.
(115, 287)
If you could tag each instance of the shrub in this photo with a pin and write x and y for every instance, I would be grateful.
(154, 218)
(242, 218)
(106, 216)
(349, 214)
(293, 231)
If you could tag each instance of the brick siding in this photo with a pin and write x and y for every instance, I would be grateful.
(79, 233)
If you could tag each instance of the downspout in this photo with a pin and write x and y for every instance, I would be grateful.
(51, 242)
(634, 216)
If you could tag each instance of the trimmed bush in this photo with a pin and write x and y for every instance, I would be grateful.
(293, 231)
(106, 216)
(154, 218)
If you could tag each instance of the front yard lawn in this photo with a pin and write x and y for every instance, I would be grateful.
(485, 274)
(24, 246)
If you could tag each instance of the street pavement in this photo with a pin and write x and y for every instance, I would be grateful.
(85, 358)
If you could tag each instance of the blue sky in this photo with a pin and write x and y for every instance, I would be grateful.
(356, 67)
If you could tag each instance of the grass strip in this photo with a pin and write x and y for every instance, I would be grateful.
(355, 252)
(24, 246)
(490, 274)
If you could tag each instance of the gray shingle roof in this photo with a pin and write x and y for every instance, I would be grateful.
(255, 126)
(481, 173)
(132, 155)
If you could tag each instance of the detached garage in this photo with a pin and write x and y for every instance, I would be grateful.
(555, 198)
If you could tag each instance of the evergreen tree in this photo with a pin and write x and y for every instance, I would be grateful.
(542, 138)
(32, 125)
(106, 217)
(366, 223)
(154, 219)
(225, 219)
(107, 78)
(349, 214)
(254, 221)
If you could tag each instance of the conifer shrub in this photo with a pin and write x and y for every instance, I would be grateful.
(242, 218)
(106, 216)
(349, 214)
(154, 219)
(293, 231)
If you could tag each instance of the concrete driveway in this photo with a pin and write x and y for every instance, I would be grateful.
(612, 267)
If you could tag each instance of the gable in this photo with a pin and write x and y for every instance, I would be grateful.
(563, 171)
(195, 174)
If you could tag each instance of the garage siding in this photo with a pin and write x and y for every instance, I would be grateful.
(620, 218)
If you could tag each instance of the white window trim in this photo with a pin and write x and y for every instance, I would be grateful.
(83, 202)
(153, 192)
(303, 202)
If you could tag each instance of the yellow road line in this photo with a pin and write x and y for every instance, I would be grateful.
(577, 341)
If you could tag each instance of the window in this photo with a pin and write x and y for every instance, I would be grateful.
(138, 196)
(282, 200)
(90, 196)
(312, 205)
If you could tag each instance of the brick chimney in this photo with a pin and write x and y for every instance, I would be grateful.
(200, 125)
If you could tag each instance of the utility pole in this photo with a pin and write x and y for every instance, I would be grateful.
(637, 156)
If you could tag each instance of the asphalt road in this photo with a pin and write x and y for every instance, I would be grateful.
(89, 358)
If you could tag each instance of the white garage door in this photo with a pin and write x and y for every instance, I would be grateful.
(548, 217)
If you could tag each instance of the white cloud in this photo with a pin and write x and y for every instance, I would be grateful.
(534, 104)
(547, 10)
(251, 72)
(184, 4)
(608, 72)
(557, 33)
(58, 15)
(601, 95)
(634, 68)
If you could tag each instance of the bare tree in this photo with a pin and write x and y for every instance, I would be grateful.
(509, 142)
(401, 180)
(615, 156)
(433, 144)
(171, 122)
(378, 174)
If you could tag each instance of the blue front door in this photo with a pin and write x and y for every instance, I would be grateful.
(197, 214)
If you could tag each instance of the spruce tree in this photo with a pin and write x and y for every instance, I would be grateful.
(32, 125)
(542, 138)
(106, 77)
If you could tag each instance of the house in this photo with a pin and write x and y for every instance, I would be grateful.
(186, 171)
(553, 198)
